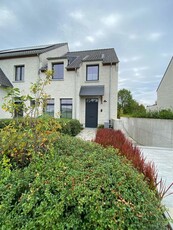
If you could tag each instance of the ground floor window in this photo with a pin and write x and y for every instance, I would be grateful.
(49, 107)
(66, 108)
(18, 107)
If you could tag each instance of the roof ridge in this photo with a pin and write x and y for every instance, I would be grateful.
(31, 48)
(78, 51)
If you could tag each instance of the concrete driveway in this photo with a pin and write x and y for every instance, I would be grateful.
(163, 160)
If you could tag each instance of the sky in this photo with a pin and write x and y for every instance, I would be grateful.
(141, 32)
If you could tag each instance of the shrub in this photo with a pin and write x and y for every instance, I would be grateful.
(78, 186)
(162, 114)
(4, 122)
(70, 126)
(21, 139)
(115, 138)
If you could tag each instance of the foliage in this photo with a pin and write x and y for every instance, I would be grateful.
(160, 114)
(4, 122)
(70, 126)
(77, 186)
(101, 126)
(21, 139)
(127, 105)
(116, 139)
(37, 94)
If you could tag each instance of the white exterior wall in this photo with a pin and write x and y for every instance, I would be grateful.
(52, 53)
(3, 114)
(30, 71)
(165, 90)
(105, 73)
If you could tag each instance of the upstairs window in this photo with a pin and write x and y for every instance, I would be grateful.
(58, 71)
(92, 73)
(19, 73)
(66, 108)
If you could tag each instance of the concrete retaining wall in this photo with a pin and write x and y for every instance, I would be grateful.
(148, 132)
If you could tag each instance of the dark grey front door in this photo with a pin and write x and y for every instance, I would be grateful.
(91, 118)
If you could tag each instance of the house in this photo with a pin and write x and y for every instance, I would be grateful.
(165, 89)
(83, 86)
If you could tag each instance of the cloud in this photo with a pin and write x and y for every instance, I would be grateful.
(111, 20)
(154, 36)
(133, 37)
(90, 39)
(131, 59)
(77, 15)
(6, 17)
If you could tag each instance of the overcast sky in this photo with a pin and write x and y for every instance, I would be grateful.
(141, 32)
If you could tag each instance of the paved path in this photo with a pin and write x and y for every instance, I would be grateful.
(162, 158)
(87, 134)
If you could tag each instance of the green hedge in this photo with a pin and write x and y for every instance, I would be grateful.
(69, 126)
(4, 122)
(162, 114)
(78, 185)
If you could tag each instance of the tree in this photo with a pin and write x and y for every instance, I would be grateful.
(126, 103)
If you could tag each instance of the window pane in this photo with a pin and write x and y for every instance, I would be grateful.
(66, 108)
(19, 73)
(58, 71)
(50, 107)
(92, 73)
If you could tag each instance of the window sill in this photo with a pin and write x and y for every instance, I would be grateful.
(91, 81)
(18, 81)
(57, 79)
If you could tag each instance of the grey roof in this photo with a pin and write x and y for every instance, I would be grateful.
(28, 51)
(4, 81)
(94, 90)
(107, 56)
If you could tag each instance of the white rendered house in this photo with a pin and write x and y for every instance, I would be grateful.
(165, 89)
(84, 83)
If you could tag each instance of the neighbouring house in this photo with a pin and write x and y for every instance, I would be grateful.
(164, 91)
(83, 86)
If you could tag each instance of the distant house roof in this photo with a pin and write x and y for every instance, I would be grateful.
(28, 51)
(107, 56)
(4, 81)
(94, 90)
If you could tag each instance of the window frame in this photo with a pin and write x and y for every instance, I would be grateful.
(66, 104)
(89, 66)
(21, 73)
(45, 109)
(57, 64)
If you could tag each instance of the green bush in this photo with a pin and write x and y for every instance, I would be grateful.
(70, 126)
(4, 122)
(162, 114)
(79, 185)
(21, 139)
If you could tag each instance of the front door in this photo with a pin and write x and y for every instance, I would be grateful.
(91, 118)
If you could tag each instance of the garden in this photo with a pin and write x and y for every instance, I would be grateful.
(51, 180)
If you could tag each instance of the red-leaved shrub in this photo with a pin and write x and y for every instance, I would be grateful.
(116, 139)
